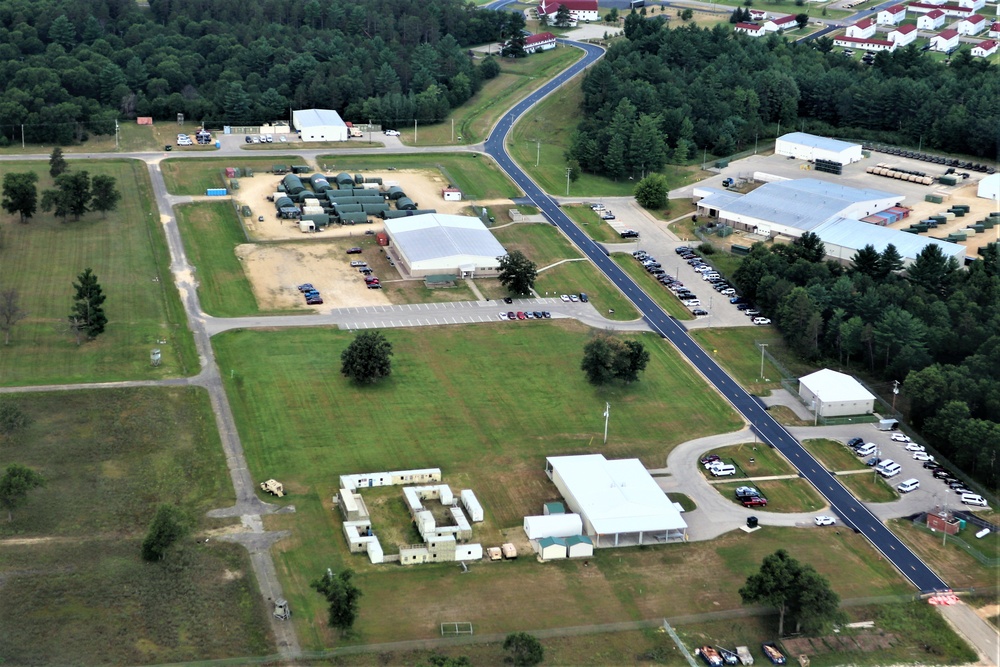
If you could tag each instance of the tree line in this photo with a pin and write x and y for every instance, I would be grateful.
(932, 326)
(72, 68)
(667, 94)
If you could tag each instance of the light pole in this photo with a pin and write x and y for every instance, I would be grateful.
(607, 413)
(895, 392)
(568, 171)
(762, 346)
(538, 151)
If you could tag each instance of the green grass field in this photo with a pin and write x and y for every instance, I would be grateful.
(656, 291)
(950, 561)
(766, 461)
(476, 175)
(127, 251)
(189, 176)
(869, 487)
(473, 120)
(70, 558)
(582, 276)
(736, 350)
(211, 231)
(592, 224)
(540, 242)
(833, 454)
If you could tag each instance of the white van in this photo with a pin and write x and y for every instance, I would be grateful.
(973, 499)
(908, 485)
(867, 450)
(885, 463)
(723, 470)
(890, 471)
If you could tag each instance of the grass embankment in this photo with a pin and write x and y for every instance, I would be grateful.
(736, 349)
(833, 454)
(652, 287)
(951, 560)
(869, 487)
(71, 557)
(188, 176)
(473, 120)
(127, 251)
(476, 175)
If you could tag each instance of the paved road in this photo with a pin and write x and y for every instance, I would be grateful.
(853, 513)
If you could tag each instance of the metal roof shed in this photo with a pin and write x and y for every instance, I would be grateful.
(319, 125)
(843, 237)
(811, 147)
(834, 394)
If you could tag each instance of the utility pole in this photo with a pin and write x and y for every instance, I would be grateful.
(607, 413)
(538, 151)
(414, 130)
(755, 135)
(116, 134)
(762, 346)
(568, 170)
(895, 392)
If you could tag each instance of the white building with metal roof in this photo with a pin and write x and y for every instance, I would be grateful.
(833, 394)
(812, 147)
(843, 238)
(319, 125)
(441, 244)
(619, 502)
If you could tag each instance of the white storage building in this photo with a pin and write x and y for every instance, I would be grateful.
(319, 125)
(811, 147)
(441, 244)
(843, 238)
(835, 394)
(989, 187)
(579, 546)
(471, 505)
(552, 525)
(551, 548)
(618, 500)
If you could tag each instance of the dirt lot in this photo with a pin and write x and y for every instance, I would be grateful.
(274, 270)
(965, 194)
(421, 185)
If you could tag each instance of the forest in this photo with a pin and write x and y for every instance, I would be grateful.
(69, 68)
(932, 326)
(708, 89)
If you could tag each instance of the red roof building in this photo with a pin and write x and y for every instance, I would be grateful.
(984, 49)
(579, 10)
(751, 29)
(863, 43)
(891, 15)
(543, 41)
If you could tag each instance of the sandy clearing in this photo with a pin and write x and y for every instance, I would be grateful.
(966, 194)
(274, 270)
(422, 185)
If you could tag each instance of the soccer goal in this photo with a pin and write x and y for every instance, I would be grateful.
(450, 629)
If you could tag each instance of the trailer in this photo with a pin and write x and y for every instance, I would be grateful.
(772, 653)
(743, 653)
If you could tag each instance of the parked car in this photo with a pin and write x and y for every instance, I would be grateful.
(584, 297)
(746, 491)
(511, 315)
(507, 299)
(358, 262)
(914, 447)
(574, 298)
(314, 301)
(698, 312)
(392, 133)
(521, 315)
(755, 501)
(546, 314)
(761, 321)
(503, 315)
(908, 485)
(305, 287)
(374, 285)
(930, 464)
(922, 456)
(751, 312)
(711, 458)
(564, 297)
(899, 437)
(825, 520)
(630, 234)
(855, 442)
(354, 251)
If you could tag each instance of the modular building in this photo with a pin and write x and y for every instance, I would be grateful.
(811, 147)
(319, 125)
(833, 394)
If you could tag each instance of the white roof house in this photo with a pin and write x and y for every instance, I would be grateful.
(618, 501)
(833, 394)
(989, 187)
(811, 147)
(319, 125)
(439, 244)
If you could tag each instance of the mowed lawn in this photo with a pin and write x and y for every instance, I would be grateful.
(193, 176)
(128, 253)
(71, 556)
(476, 175)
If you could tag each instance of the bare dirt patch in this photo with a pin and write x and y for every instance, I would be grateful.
(274, 271)
(978, 209)
(421, 185)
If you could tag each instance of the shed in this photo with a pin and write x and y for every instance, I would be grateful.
(835, 394)
(553, 508)
(579, 546)
(554, 525)
(319, 125)
(811, 147)
(471, 505)
(451, 194)
(551, 548)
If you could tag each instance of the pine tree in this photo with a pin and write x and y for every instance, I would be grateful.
(57, 163)
(88, 314)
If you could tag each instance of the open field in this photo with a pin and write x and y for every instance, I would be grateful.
(475, 174)
(950, 561)
(870, 487)
(736, 350)
(833, 454)
(656, 291)
(539, 241)
(473, 120)
(185, 176)
(591, 223)
(783, 495)
(582, 276)
(128, 253)
(70, 558)
(132, 138)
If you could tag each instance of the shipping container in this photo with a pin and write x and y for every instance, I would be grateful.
(382, 239)
(230, 172)
(359, 179)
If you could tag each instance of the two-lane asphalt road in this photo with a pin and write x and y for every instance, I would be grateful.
(852, 512)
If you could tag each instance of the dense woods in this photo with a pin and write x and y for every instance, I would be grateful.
(933, 326)
(71, 68)
(710, 89)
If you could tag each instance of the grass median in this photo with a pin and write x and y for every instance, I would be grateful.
(128, 253)
(663, 297)
(71, 556)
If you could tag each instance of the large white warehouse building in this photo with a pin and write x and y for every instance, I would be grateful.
(441, 244)
(619, 502)
(319, 125)
(811, 147)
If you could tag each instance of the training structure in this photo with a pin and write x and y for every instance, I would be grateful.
(833, 394)
(319, 125)
(811, 147)
(445, 539)
(618, 502)
(438, 244)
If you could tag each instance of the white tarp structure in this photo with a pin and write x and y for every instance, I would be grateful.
(319, 125)
(989, 187)
(617, 500)
(440, 244)
(811, 147)
(834, 394)
(552, 525)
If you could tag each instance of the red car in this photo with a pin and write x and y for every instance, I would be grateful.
(521, 315)
(754, 501)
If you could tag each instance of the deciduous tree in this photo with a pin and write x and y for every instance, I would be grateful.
(523, 650)
(88, 312)
(343, 596)
(651, 192)
(789, 586)
(15, 484)
(104, 194)
(517, 272)
(606, 358)
(10, 312)
(168, 526)
(12, 417)
(71, 195)
(368, 358)
(20, 194)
